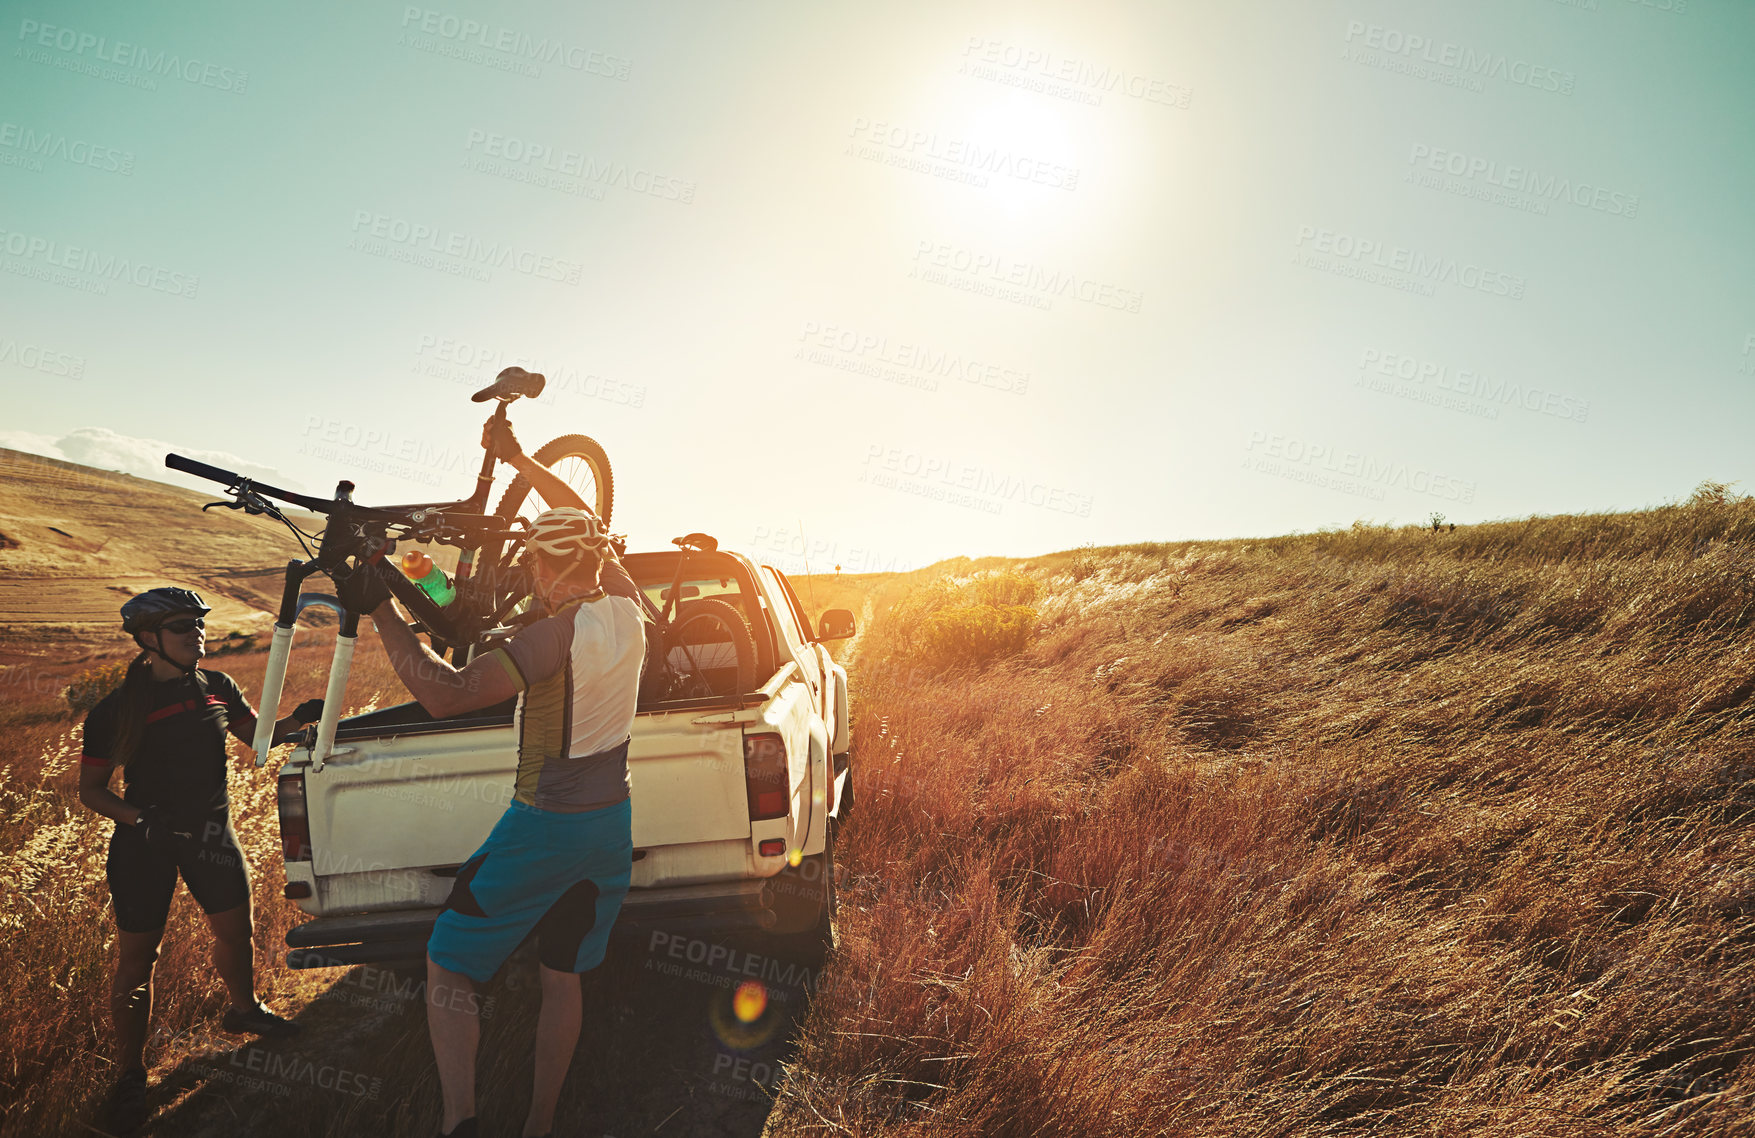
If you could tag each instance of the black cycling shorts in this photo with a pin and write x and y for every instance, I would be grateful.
(142, 879)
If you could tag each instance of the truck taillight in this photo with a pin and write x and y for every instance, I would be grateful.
(764, 776)
(295, 822)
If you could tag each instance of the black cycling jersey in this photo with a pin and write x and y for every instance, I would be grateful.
(180, 762)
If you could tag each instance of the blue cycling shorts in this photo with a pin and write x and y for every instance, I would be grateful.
(560, 875)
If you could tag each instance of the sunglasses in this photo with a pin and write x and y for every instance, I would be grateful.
(183, 624)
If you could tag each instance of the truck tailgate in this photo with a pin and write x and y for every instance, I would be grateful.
(418, 800)
(695, 772)
(423, 800)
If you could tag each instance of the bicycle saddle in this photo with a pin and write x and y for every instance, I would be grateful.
(512, 383)
(699, 542)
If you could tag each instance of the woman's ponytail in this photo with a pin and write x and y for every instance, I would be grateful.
(135, 702)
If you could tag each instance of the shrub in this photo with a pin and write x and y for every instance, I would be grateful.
(1712, 494)
(93, 684)
(975, 634)
(953, 622)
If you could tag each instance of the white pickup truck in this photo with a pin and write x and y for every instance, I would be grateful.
(735, 797)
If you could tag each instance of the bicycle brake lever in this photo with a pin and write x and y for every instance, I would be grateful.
(246, 500)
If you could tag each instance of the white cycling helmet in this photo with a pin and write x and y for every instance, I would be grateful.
(563, 533)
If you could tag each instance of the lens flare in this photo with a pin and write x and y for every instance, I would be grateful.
(744, 1019)
(794, 856)
(750, 1001)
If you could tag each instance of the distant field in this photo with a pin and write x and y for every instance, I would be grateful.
(76, 542)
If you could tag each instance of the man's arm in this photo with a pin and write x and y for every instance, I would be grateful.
(498, 436)
(440, 688)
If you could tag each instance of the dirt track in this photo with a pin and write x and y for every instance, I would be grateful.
(660, 1054)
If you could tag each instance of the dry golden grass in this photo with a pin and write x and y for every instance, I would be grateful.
(54, 903)
(1372, 830)
(1387, 830)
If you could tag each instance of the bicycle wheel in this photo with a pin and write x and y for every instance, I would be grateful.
(581, 464)
(709, 644)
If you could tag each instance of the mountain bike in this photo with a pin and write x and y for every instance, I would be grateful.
(490, 584)
(700, 649)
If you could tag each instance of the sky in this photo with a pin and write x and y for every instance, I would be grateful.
(873, 285)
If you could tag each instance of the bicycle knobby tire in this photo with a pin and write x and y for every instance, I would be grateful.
(710, 621)
(582, 447)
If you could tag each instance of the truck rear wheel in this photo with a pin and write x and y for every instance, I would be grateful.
(803, 901)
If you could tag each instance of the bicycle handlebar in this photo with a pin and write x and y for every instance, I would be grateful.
(232, 480)
(466, 514)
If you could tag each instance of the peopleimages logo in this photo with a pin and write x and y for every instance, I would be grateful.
(947, 479)
(523, 160)
(1391, 49)
(88, 269)
(934, 259)
(464, 361)
(1349, 471)
(1410, 263)
(1465, 390)
(146, 62)
(875, 138)
(1064, 77)
(452, 251)
(458, 36)
(1515, 180)
(38, 358)
(32, 147)
(835, 345)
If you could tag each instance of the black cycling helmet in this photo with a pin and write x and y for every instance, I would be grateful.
(146, 611)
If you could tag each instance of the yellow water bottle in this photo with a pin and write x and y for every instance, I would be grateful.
(434, 582)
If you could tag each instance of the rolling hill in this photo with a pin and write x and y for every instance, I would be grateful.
(76, 542)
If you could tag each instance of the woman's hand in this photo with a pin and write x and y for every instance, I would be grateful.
(156, 829)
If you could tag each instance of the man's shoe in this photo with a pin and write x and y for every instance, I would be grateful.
(125, 1110)
(464, 1129)
(258, 1020)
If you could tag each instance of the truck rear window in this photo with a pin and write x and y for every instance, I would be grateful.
(659, 593)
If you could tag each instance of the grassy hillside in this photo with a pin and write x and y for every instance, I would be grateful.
(76, 542)
(1382, 829)
(1377, 830)
(54, 903)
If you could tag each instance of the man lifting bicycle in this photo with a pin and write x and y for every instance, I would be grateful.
(559, 860)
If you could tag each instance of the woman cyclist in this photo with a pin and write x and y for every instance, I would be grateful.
(166, 727)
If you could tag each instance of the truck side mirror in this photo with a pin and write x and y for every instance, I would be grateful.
(836, 624)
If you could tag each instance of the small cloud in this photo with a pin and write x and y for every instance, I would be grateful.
(104, 449)
(30, 442)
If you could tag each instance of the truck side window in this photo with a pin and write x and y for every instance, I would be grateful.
(791, 596)
(783, 610)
